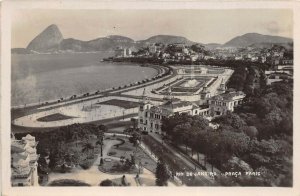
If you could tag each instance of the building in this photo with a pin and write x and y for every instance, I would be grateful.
(220, 104)
(152, 48)
(128, 52)
(150, 116)
(120, 52)
(24, 161)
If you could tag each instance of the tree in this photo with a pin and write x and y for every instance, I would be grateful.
(161, 173)
(251, 131)
(87, 147)
(75, 137)
(231, 119)
(100, 135)
(135, 137)
(134, 122)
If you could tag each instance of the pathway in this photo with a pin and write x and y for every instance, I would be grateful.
(93, 176)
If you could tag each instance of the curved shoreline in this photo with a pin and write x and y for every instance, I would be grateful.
(90, 94)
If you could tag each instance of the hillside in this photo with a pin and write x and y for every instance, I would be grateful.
(164, 39)
(255, 38)
(51, 40)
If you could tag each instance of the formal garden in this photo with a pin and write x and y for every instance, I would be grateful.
(85, 155)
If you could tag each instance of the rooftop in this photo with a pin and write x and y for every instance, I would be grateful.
(228, 96)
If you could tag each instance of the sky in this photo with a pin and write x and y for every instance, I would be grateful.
(203, 26)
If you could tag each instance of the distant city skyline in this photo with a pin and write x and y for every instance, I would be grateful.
(203, 26)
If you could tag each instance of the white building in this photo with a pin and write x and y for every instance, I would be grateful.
(150, 115)
(24, 161)
(220, 104)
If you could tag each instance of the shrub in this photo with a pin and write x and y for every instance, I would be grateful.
(68, 182)
(106, 182)
(86, 164)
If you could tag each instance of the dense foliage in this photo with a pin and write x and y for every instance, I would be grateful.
(162, 174)
(60, 147)
(256, 138)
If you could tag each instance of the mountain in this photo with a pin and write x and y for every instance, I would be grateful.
(255, 38)
(51, 40)
(99, 44)
(164, 39)
(48, 40)
(288, 46)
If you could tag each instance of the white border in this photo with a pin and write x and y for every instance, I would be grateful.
(7, 7)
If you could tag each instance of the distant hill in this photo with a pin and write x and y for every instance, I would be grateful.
(99, 44)
(164, 39)
(51, 40)
(48, 40)
(288, 46)
(255, 38)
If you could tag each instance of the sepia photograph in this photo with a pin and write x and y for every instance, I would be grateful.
(151, 97)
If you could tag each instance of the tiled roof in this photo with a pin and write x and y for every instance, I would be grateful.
(227, 96)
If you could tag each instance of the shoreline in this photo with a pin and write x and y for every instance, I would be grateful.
(91, 93)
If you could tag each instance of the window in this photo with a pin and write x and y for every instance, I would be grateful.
(141, 108)
(156, 126)
(151, 125)
(224, 104)
(146, 122)
(196, 111)
(151, 115)
(141, 120)
(146, 114)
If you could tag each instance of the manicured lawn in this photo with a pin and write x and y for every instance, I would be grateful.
(54, 117)
(124, 149)
(121, 103)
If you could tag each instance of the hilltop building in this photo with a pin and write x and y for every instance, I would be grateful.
(24, 161)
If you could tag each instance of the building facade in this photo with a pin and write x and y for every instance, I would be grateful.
(24, 161)
(220, 104)
(150, 116)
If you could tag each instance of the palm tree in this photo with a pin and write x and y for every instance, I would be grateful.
(135, 137)
(100, 136)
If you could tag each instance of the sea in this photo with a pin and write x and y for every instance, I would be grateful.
(37, 78)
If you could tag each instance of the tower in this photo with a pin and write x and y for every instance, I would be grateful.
(143, 110)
